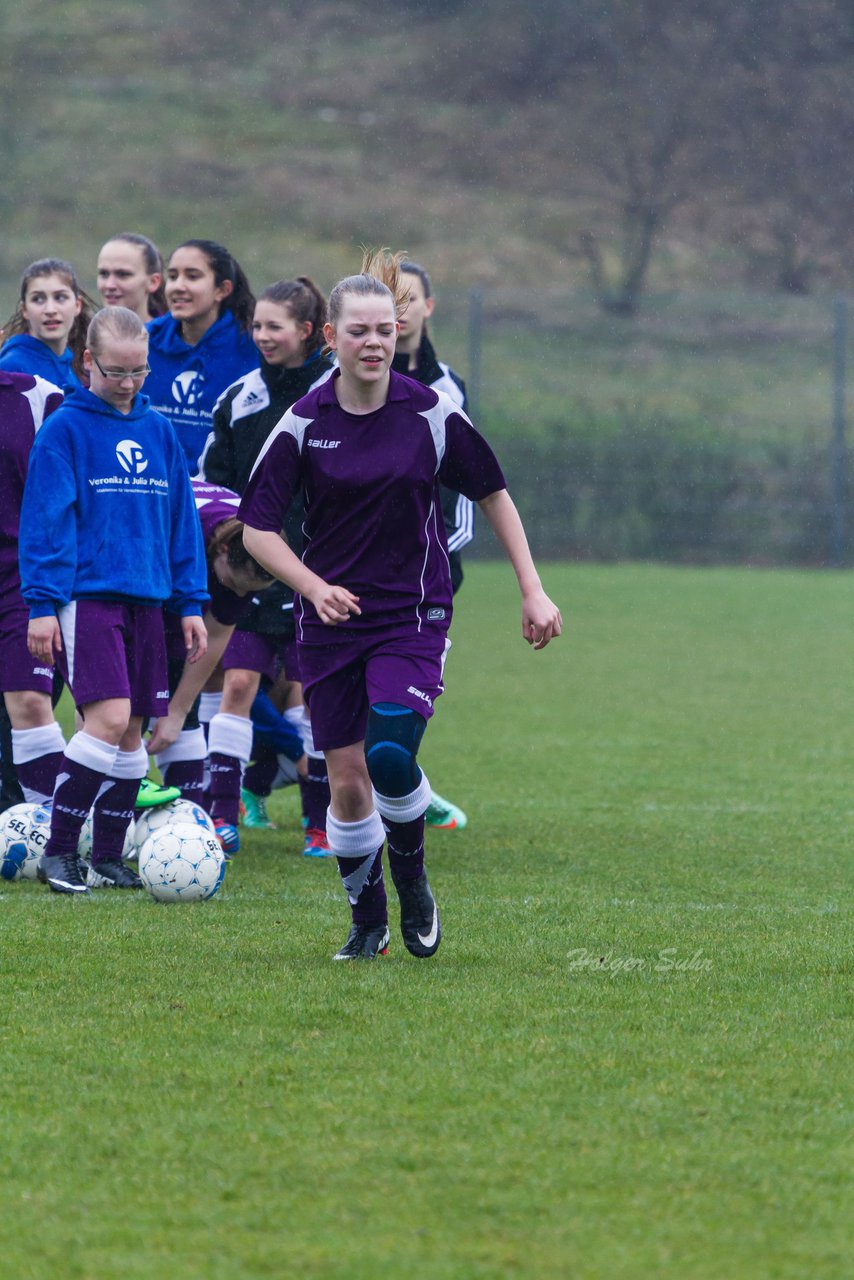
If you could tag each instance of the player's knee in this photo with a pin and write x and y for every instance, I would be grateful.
(239, 690)
(391, 744)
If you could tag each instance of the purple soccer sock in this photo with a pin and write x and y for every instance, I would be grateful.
(261, 774)
(225, 787)
(77, 786)
(314, 793)
(365, 887)
(406, 848)
(188, 776)
(111, 819)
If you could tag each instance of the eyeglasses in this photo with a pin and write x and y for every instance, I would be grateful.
(118, 375)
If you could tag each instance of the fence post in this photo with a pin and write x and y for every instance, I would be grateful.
(839, 459)
(475, 350)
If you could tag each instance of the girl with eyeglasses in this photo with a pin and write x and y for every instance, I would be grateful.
(371, 448)
(204, 344)
(46, 333)
(108, 534)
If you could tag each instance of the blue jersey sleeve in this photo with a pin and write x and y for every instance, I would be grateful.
(187, 549)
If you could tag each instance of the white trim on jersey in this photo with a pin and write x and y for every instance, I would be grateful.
(38, 396)
(463, 523)
(291, 423)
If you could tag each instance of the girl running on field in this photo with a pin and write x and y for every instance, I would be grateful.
(371, 447)
(46, 333)
(203, 344)
(131, 274)
(287, 329)
(108, 534)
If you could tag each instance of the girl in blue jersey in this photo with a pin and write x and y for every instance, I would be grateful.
(371, 447)
(47, 332)
(203, 344)
(108, 534)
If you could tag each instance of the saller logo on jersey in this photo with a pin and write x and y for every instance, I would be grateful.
(131, 457)
(323, 444)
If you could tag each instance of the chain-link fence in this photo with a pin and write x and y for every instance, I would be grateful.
(709, 429)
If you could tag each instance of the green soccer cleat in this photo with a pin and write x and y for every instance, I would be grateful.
(150, 796)
(443, 815)
(255, 811)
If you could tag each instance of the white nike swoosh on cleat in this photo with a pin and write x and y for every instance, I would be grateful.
(428, 939)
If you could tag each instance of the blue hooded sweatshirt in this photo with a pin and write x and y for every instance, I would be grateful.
(23, 353)
(108, 511)
(185, 382)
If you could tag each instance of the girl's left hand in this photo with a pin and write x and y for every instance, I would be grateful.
(541, 620)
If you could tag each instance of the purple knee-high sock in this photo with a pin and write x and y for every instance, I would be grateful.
(314, 793)
(111, 819)
(38, 755)
(406, 848)
(188, 776)
(86, 766)
(365, 887)
(225, 787)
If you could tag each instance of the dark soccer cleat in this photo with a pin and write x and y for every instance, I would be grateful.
(62, 873)
(419, 916)
(366, 942)
(112, 875)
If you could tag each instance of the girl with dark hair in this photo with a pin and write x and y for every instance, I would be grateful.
(177, 740)
(46, 333)
(108, 534)
(130, 274)
(203, 344)
(287, 329)
(371, 448)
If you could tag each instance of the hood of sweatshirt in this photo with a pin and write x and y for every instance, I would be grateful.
(82, 398)
(22, 353)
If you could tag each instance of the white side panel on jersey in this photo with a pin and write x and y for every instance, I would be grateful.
(292, 425)
(67, 618)
(37, 397)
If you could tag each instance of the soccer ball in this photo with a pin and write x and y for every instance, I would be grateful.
(168, 815)
(181, 862)
(17, 862)
(84, 843)
(37, 833)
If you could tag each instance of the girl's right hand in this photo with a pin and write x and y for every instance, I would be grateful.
(333, 604)
(44, 638)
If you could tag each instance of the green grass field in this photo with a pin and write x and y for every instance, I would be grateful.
(631, 1057)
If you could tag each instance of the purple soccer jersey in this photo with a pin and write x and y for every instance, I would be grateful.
(215, 504)
(373, 518)
(25, 402)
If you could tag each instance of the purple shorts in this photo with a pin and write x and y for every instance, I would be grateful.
(19, 670)
(253, 651)
(113, 650)
(341, 681)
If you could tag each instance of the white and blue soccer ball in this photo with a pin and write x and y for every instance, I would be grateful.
(38, 832)
(84, 843)
(167, 815)
(181, 862)
(17, 861)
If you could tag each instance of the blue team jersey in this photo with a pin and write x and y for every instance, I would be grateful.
(108, 511)
(23, 353)
(185, 382)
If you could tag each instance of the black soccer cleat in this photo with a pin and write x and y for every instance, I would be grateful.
(62, 873)
(113, 875)
(419, 916)
(366, 942)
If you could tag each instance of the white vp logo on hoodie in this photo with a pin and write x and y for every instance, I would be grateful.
(131, 457)
(187, 388)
